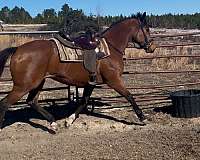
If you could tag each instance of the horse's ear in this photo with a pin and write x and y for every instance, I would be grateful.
(139, 16)
(143, 16)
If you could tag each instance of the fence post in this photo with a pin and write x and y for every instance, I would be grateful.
(69, 93)
(77, 94)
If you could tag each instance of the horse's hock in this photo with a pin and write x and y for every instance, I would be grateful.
(186, 103)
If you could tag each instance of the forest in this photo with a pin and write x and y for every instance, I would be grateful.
(76, 20)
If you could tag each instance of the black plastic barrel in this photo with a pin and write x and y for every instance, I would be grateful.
(186, 103)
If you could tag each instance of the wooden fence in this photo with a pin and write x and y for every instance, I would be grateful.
(157, 96)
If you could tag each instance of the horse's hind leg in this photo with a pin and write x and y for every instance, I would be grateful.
(84, 101)
(32, 100)
(10, 99)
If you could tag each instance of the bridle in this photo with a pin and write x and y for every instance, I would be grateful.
(146, 42)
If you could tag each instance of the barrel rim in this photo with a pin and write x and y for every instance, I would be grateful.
(185, 93)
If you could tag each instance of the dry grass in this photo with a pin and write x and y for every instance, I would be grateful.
(166, 63)
(132, 53)
(13, 40)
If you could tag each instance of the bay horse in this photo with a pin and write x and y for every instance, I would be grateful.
(33, 62)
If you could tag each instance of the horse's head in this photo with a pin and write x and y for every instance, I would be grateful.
(141, 36)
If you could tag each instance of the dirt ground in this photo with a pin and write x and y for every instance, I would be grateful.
(103, 135)
(111, 132)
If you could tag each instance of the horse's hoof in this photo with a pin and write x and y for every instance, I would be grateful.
(69, 121)
(67, 125)
(53, 127)
(142, 120)
(145, 120)
(143, 123)
(141, 117)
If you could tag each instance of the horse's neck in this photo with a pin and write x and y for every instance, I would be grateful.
(118, 37)
(118, 41)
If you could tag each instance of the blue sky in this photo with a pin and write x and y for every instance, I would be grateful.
(109, 7)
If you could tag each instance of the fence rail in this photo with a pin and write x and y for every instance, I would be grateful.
(174, 35)
(52, 32)
(178, 45)
(147, 87)
(159, 57)
(161, 72)
(28, 32)
(141, 98)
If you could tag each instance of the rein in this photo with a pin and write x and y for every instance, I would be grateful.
(116, 49)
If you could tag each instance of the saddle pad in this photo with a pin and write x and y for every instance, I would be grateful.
(68, 54)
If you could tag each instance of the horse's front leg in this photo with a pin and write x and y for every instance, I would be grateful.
(84, 101)
(118, 85)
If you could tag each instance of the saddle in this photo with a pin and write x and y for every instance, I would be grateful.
(82, 42)
(80, 48)
(85, 43)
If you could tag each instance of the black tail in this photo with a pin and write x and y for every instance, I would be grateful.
(4, 55)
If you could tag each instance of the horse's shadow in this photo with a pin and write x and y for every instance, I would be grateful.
(60, 111)
(26, 114)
